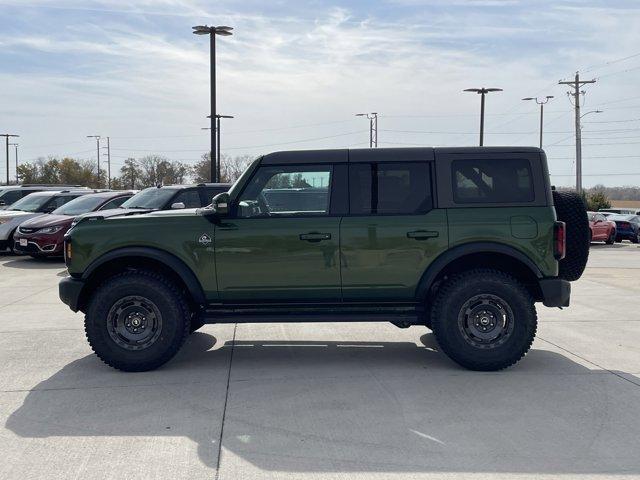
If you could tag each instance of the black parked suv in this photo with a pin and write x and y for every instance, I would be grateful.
(169, 197)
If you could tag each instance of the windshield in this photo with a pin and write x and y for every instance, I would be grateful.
(152, 198)
(80, 205)
(31, 203)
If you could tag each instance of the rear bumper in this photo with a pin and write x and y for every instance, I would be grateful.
(69, 290)
(555, 292)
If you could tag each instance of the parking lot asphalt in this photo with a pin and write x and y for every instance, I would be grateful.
(298, 401)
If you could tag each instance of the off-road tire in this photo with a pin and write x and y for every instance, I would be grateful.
(160, 292)
(571, 210)
(448, 308)
(196, 324)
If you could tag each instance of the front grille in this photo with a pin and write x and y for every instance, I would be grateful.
(27, 230)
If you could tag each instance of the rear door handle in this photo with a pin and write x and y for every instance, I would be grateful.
(422, 234)
(315, 236)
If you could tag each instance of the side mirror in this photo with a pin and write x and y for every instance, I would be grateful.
(178, 206)
(220, 203)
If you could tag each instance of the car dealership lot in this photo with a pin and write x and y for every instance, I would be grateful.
(322, 400)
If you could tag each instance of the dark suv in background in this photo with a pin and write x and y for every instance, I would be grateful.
(169, 197)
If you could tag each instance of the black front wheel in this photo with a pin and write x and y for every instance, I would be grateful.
(137, 321)
(484, 319)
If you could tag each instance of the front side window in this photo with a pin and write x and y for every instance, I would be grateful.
(295, 190)
(492, 181)
(10, 196)
(190, 198)
(31, 203)
(401, 188)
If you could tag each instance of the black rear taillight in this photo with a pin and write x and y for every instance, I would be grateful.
(559, 240)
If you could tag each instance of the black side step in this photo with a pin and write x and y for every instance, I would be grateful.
(410, 314)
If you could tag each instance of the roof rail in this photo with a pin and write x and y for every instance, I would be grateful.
(49, 185)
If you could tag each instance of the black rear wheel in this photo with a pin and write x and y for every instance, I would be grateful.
(137, 321)
(484, 319)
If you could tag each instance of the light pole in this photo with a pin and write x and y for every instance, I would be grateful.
(97, 137)
(579, 150)
(373, 127)
(542, 103)
(218, 130)
(16, 145)
(7, 136)
(212, 32)
(482, 92)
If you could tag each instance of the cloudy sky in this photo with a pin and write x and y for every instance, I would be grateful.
(295, 73)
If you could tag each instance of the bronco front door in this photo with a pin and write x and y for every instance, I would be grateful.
(281, 243)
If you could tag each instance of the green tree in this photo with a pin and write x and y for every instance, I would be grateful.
(596, 201)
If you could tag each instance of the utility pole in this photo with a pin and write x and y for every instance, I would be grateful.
(482, 92)
(575, 85)
(7, 136)
(16, 145)
(108, 149)
(97, 137)
(542, 103)
(373, 127)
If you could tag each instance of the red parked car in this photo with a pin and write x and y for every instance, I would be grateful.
(43, 236)
(602, 229)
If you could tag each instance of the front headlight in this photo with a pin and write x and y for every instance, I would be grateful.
(50, 230)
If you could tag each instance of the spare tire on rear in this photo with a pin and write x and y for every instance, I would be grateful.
(571, 210)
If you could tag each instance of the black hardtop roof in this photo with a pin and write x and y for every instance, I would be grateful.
(112, 194)
(179, 186)
(373, 154)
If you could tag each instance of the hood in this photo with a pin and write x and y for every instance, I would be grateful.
(48, 221)
(15, 213)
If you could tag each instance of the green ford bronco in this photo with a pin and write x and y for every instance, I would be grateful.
(463, 241)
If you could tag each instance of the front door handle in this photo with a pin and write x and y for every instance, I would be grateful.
(315, 237)
(422, 234)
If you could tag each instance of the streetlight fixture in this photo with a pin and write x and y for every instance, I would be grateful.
(482, 91)
(97, 137)
(16, 145)
(212, 32)
(7, 136)
(373, 127)
(218, 156)
(542, 102)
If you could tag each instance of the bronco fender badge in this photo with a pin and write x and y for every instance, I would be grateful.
(204, 239)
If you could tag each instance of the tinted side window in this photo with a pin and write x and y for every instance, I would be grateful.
(492, 181)
(115, 203)
(389, 188)
(10, 197)
(210, 192)
(190, 198)
(57, 202)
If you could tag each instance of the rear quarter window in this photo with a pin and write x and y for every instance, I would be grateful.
(492, 181)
